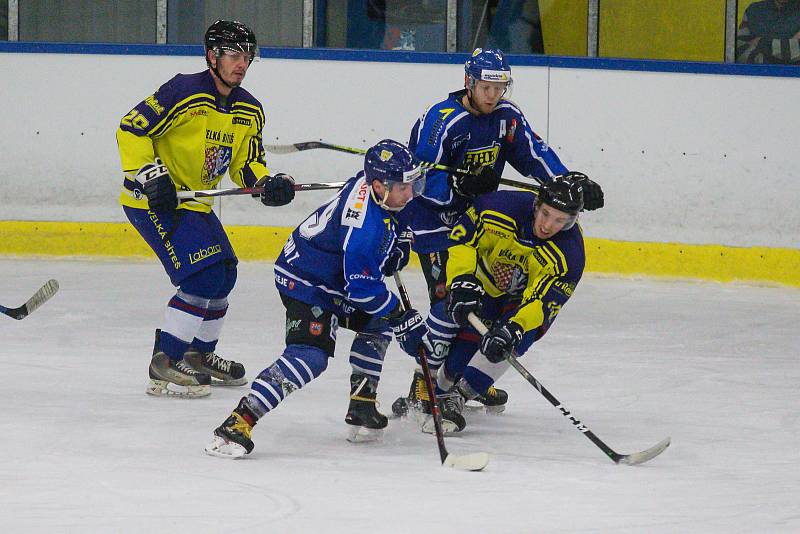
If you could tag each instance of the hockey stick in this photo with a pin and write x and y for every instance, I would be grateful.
(184, 195)
(40, 297)
(466, 462)
(310, 145)
(627, 459)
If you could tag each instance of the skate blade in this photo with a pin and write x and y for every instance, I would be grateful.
(448, 427)
(228, 383)
(361, 434)
(225, 449)
(162, 388)
(475, 406)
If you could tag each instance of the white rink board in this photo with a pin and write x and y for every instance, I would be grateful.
(734, 185)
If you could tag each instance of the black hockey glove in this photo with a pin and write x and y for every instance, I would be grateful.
(465, 297)
(477, 181)
(400, 253)
(410, 330)
(278, 189)
(502, 339)
(592, 192)
(157, 186)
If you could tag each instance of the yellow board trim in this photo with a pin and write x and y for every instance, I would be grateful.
(263, 243)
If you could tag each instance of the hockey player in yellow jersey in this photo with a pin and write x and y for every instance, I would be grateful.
(516, 262)
(186, 136)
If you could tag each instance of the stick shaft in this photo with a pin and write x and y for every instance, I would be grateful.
(426, 373)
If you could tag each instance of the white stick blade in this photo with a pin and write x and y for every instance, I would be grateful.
(280, 149)
(644, 456)
(43, 295)
(475, 461)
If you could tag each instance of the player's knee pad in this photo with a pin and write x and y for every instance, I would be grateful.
(205, 283)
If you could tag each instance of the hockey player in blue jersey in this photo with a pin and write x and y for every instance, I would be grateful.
(329, 274)
(516, 260)
(479, 130)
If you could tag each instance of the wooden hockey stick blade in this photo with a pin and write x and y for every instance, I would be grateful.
(475, 461)
(644, 456)
(40, 297)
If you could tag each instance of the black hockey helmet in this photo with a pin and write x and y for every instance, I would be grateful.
(564, 193)
(230, 35)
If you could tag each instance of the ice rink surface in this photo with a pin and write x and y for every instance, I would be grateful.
(714, 366)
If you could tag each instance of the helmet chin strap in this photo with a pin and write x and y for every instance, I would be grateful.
(382, 201)
(215, 70)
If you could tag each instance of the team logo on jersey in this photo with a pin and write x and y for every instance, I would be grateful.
(512, 129)
(449, 217)
(355, 209)
(217, 161)
(509, 278)
(482, 156)
(315, 328)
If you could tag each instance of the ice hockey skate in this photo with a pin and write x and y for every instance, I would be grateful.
(176, 378)
(366, 422)
(418, 405)
(451, 404)
(223, 372)
(493, 401)
(232, 438)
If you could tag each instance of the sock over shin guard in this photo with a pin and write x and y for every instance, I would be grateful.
(299, 365)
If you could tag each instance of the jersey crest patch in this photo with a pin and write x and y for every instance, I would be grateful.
(218, 159)
(355, 209)
(509, 278)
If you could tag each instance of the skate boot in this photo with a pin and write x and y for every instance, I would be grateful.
(417, 395)
(223, 372)
(493, 401)
(367, 423)
(451, 404)
(232, 437)
(175, 377)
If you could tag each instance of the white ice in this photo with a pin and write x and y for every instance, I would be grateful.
(714, 366)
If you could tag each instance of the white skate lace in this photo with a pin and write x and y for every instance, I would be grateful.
(218, 362)
(185, 368)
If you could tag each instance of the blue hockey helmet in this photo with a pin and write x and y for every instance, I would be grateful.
(392, 163)
(488, 65)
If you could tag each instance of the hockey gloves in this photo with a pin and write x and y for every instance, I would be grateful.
(411, 332)
(476, 181)
(400, 253)
(592, 192)
(502, 339)
(157, 186)
(465, 297)
(278, 189)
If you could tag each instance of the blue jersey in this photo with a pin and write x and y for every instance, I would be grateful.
(450, 135)
(334, 258)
